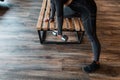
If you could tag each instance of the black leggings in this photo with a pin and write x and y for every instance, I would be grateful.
(90, 29)
(88, 16)
(53, 9)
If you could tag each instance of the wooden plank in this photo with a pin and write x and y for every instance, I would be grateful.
(65, 26)
(77, 24)
(47, 15)
(41, 15)
(52, 25)
(70, 24)
(81, 25)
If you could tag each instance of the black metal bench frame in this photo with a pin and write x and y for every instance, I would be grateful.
(42, 38)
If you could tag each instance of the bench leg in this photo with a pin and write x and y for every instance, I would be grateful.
(42, 36)
(80, 35)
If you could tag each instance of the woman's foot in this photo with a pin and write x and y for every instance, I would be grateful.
(92, 67)
(55, 33)
(49, 20)
(63, 37)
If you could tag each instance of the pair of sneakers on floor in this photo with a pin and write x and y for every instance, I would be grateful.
(55, 33)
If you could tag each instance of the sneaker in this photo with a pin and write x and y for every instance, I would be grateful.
(55, 33)
(64, 38)
(91, 68)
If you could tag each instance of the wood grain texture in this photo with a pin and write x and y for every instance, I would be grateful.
(23, 58)
(77, 25)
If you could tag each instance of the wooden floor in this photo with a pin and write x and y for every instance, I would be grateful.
(22, 57)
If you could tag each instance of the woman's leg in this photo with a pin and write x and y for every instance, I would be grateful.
(89, 22)
(59, 17)
(52, 5)
(90, 29)
(52, 12)
(88, 11)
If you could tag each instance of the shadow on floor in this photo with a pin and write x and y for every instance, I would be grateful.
(3, 9)
(108, 70)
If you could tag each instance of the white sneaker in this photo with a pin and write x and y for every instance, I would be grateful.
(64, 38)
(55, 33)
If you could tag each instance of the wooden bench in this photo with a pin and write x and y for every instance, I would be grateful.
(69, 24)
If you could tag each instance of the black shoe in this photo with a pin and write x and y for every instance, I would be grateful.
(64, 38)
(91, 68)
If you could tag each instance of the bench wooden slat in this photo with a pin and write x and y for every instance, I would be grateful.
(81, 25)
(42, 12)
(47, 15)
(65, 27)
(70, 24)
(77, 25)
(52, 25)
